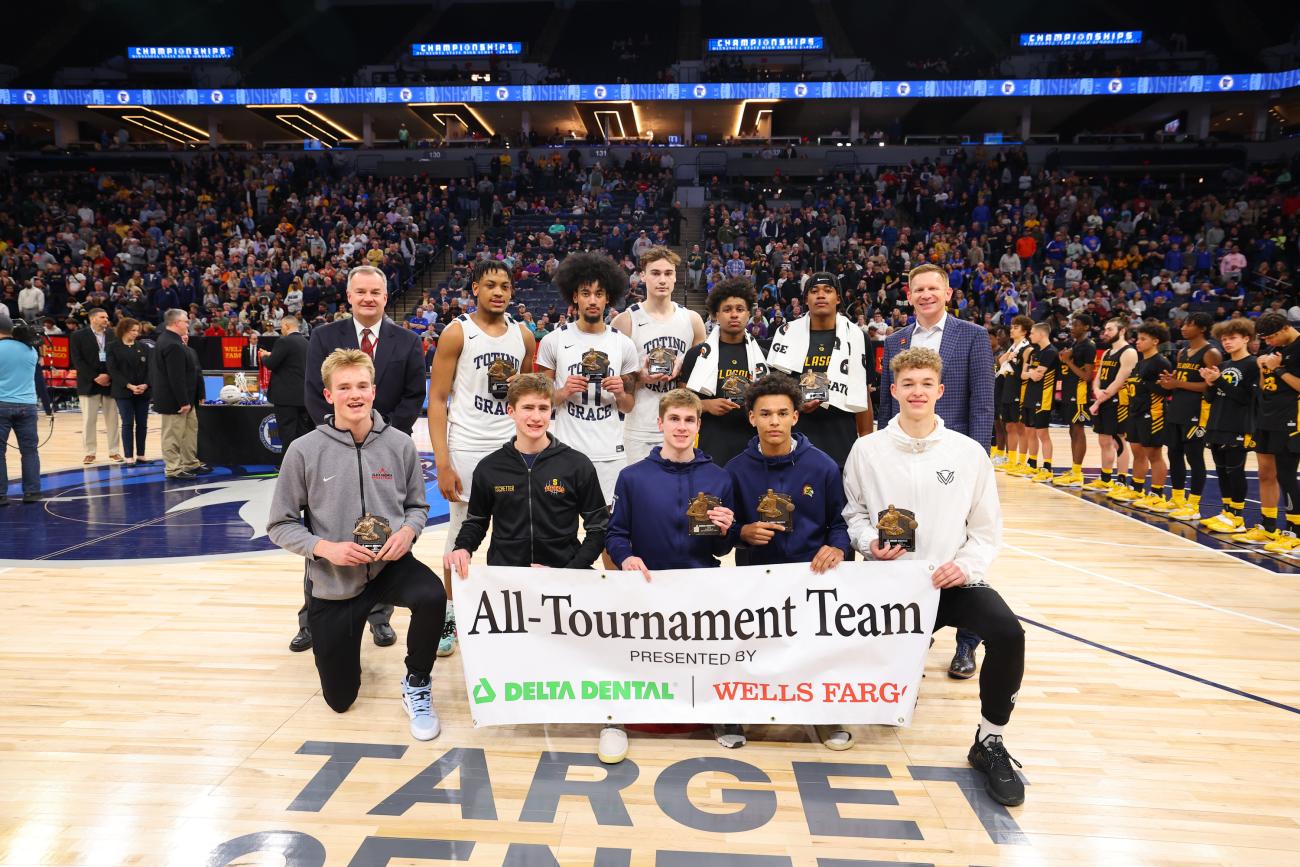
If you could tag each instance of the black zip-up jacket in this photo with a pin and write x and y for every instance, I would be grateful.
(535, 511)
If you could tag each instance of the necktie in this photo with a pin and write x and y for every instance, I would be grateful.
(367, 344)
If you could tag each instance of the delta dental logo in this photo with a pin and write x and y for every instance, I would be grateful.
(570, 690)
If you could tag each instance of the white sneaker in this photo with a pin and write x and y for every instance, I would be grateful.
(835, 737)
(1000, 460)
(418, 702)
(612, 747)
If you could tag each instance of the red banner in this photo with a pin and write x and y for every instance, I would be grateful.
(56, 352)
(232, 352)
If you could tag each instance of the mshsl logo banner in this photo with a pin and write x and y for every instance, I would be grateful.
(754, 644)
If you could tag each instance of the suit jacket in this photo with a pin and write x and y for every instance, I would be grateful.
(287, 363)
(399, 371)
(967, 402)
(175, 376)
(83, 351)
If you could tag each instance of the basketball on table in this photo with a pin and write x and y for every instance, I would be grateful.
(231, 394)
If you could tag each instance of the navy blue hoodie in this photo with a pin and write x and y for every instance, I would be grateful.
(649, 517)
(812, 480)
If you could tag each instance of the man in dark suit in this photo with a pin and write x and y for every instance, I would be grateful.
(967, 402)
(287, 363)
(177, 386)
(88, 352)
(399, 391)
(398, 356)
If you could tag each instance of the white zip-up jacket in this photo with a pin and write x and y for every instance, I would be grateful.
(946, 479)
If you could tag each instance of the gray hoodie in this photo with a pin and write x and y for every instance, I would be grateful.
(326, 476)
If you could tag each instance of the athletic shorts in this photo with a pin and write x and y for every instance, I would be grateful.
(1229, 438)
(1072, 413)
(1182, 433)
(607, 472)
(638, 449)
(463, 462)
(1034, 417)
(1142, 431)
(1107, 420)
(1276, 442)
(1009, 411)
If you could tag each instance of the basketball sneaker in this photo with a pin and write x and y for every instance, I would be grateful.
(1256, 535)
(1068, 480)
(417, 698)
(1143, 501)
(1042, 476)
(612, 746)
(1222, 523)
(1285, 543)
(1003, 784)
(999, 461)
(1123, 493)
(1098, 486)
(1186, 512)
(1020, 470)
(1161, 506)
(834, 737)
(447, 644)
(729, 735)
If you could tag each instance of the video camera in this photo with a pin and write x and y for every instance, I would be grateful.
(24, 333)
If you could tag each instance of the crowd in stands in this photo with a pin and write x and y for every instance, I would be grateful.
(238, 241)
(1013, 240)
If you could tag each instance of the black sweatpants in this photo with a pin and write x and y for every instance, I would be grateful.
(292, 422)
(982, 610)
(338, 625)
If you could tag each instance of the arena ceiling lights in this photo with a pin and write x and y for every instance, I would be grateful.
(305, 123)
(156, 122)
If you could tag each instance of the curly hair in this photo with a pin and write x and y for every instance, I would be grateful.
(732, 287)
(773, 384)
(580, 269)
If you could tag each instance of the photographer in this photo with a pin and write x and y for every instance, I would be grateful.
(18, 407)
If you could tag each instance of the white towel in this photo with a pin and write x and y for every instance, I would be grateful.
(846, 372)
(704, 376)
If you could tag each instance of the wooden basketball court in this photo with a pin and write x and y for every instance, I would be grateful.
(153, 715)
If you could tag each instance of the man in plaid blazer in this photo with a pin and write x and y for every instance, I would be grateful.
(967, 402)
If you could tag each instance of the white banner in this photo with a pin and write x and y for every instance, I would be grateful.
(754, 644)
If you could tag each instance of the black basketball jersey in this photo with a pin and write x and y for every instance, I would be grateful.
(1040, 394)
(1232, 396)
(1073, 387)
(1279, 404)
(1147, 397)
(1110, 361)
(1185, 407)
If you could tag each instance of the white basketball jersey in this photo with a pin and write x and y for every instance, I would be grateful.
(588, 421)
(477, 421)
(648, 333)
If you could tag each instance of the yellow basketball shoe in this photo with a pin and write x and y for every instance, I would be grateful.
(1021, 470)
(1256, 535)
(1285, 543)
(1223, 523)
(1068, 479)
(1186, 512)
(1161, 506)
(1042, 476)
(1098, 486)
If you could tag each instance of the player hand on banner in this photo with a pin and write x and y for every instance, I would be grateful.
(635, 564)
(886, 552)
(449, 483)
(948, 575)
(722, 518)
(342, 553)
(397, 545)
(457, 562)
(759, 532)
(826, 559)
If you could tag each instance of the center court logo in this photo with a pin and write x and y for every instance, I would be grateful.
(136, 515)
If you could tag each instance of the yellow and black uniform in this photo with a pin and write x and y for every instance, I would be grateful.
(1279, 406)
(1232, 403)
(1036, 398)
(1008, 406)
(1074, 389)
(722, 437)
(1112, 415)
(1229, 428)
(830, 429)
(1146, 408)
(1187, 411)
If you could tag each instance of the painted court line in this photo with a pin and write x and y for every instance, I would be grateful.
(1162, 667)
(1151, 590)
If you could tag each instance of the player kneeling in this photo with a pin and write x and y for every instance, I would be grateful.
(946, 480)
